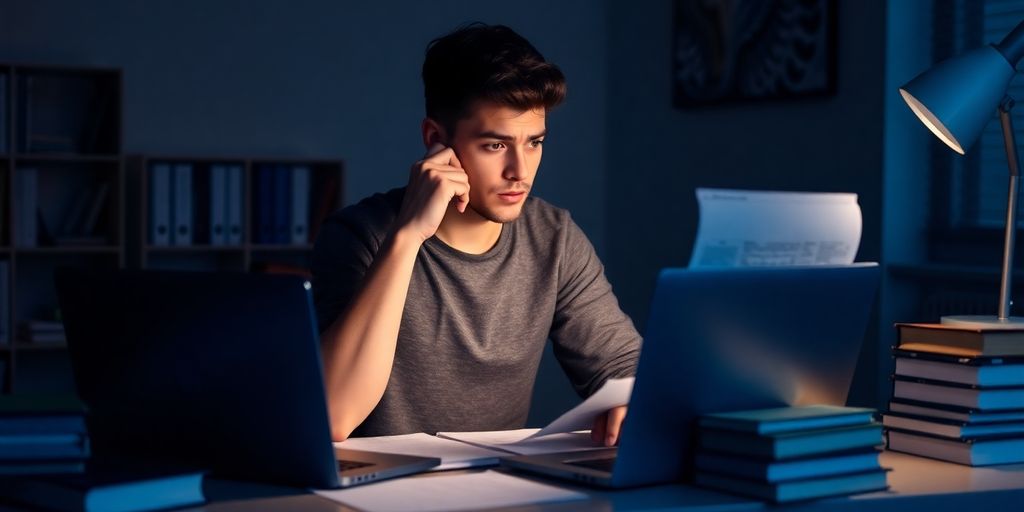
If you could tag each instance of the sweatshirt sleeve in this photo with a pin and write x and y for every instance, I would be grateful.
(594, 340)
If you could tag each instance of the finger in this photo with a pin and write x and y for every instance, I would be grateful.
(455, 160)
(614, 425)
(434, 149)
(597, 434)
(444, 156)
(462, 197)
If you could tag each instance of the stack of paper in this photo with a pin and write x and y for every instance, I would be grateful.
(453, 454)
(742, 228)
(473, 491)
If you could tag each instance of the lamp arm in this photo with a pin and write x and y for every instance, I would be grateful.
(1009, 141)
(1012, 46)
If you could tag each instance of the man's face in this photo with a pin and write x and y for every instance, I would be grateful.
(500, 150)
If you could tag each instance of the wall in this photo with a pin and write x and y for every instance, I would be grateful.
(340, 79)
(305, 78)
(658, 155)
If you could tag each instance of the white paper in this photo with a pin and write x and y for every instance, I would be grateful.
(613, 393)
(522, 442)
(473, 491)
(453, 454)
(741, 228)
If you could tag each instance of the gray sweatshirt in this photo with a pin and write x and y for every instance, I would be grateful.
(474, 326)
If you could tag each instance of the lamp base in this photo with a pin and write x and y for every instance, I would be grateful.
(984, 321)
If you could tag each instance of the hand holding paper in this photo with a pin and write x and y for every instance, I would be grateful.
(613, 393)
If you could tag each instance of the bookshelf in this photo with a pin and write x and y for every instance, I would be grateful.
(61, 204)
(289, 196)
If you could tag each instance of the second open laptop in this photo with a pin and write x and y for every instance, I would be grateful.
(725, 340)
(214, 370)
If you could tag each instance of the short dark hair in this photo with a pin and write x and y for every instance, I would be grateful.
(490, 63)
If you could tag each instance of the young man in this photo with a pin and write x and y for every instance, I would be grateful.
(435, 300)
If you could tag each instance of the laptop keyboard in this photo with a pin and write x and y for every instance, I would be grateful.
(348, 465)
(598, 464)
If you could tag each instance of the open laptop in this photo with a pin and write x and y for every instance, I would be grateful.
(214, 370)
(724, 340)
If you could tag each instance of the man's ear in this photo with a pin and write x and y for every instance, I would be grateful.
(433, 133)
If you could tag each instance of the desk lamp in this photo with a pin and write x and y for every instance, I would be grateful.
(955, 99)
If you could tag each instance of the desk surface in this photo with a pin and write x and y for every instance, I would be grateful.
(915, 484)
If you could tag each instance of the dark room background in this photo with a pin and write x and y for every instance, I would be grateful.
(340, 80)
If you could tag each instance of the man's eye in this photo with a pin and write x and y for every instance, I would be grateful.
(536, 143)
(494, 146)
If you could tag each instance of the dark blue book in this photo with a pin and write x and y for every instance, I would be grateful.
(797, 490)
(977, 371)
(951, 428)
(264, 204)
(781, 471)
(43, 446)
(952, 412)
(282, 205)
(790, 445)
(41, 467)
(787, 419)
(41, 415)
(961, 395)
(982, 451)
(108, 487)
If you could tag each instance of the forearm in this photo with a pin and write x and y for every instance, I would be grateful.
(359, 347)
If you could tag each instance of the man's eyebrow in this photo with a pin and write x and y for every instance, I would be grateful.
(506, 137)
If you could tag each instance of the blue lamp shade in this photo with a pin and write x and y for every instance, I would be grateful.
(956, 98)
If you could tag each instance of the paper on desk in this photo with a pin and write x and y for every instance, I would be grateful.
(613, 393)
(741, 228)
(453, 454)
(522, 442)
(473, 491)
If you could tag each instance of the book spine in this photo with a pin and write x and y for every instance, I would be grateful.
(160, 204)
(265, 198)
(234, 205)
(281, 205)
(182, 205)
(99, 198)
(27, 189)
(300, 205)
(218, 211)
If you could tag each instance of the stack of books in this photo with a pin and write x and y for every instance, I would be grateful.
(42, 434)
(108, 485)
(791, 453)
(43, 331)
(958, 394)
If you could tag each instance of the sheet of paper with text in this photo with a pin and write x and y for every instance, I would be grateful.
(743, 228)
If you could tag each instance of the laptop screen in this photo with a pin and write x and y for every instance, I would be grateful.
(216, 370)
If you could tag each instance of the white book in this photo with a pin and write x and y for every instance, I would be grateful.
(453, 454)
(300, 205)
(160, 204)
(234, 205)
(27, 188)
(218, 205)
(182, 210)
